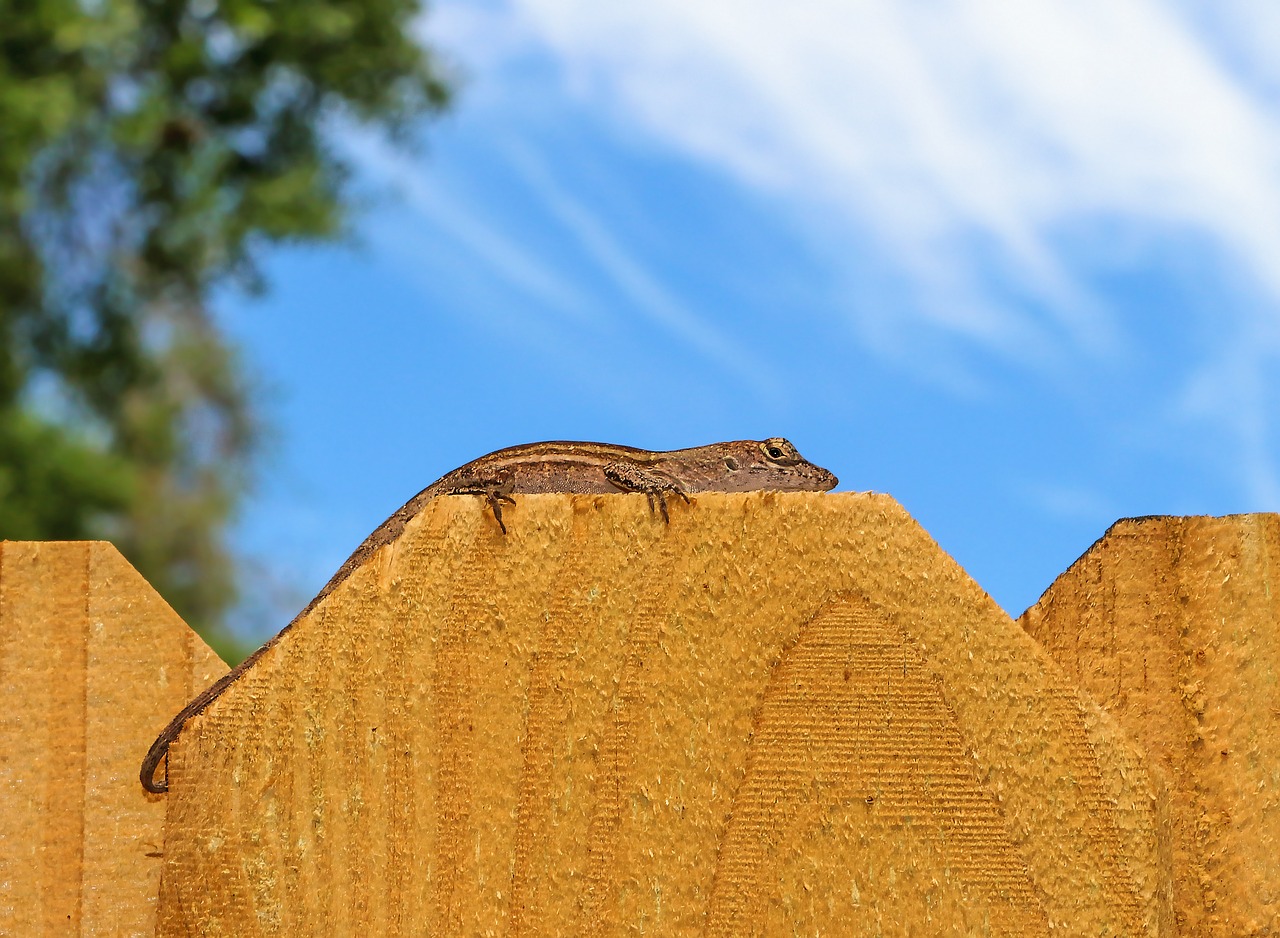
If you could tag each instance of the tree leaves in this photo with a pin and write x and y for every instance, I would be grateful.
(150, 150)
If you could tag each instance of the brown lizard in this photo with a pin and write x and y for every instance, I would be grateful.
(588, 468)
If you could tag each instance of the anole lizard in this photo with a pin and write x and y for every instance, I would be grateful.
(588, 468)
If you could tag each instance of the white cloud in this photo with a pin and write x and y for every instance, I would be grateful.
(643, 291)
(927, 123)
(517, 264)
(966, 140)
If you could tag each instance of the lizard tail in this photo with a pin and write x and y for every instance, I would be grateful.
(160, 748)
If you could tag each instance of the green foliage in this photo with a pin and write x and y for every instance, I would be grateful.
(149, 151)
(39, 464)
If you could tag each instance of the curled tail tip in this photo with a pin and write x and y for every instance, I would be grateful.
(150, 784)
(159, 753)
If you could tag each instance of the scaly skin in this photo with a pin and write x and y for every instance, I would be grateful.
(586, 468)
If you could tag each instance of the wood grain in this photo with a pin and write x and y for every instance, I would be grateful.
(778, 714)
(92, 663)
(1173, 626)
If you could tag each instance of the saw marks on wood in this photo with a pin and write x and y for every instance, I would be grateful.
(1173, 625)
(92, 664)
(462, 607)
(547, 710)
(855, 749)
(604, 724)
(44, 625)
(617, 754)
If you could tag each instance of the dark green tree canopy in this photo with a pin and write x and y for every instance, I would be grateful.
(149, 150)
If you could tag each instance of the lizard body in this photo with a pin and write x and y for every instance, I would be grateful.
(583, 468)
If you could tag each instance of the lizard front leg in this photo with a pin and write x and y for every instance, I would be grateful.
(494, 491)
(654, 484)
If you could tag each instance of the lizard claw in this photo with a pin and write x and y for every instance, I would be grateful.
(655, 485)
(495, 496)
(661, 499)
(495, 492)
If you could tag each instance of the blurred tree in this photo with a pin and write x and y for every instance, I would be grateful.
(149, 149)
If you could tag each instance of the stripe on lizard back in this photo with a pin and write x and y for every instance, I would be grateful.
(554, 466)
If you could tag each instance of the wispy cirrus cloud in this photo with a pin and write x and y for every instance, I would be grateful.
(522, 267)
(644, 292)
(928, 124)
(989, 154)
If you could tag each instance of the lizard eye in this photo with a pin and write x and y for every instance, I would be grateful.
(731, 464)
(780, 451)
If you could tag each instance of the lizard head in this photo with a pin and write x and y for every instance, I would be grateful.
(773, 464)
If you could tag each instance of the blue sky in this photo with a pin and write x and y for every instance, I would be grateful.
(1017, 265)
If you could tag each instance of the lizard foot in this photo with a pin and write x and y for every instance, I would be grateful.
(496, 497)
(656, 486)
(495, 492)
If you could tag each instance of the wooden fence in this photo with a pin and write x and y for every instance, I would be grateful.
(780, 714)
(1173, 626)
(91, 660)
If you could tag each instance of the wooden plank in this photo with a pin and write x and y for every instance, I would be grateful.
(778, 714)
(1173, 625)
(92, 663)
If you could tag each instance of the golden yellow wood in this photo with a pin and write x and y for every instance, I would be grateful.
(92, 663)
(780, 714)
(1173, 625)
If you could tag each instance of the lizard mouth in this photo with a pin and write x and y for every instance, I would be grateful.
(811, 479)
